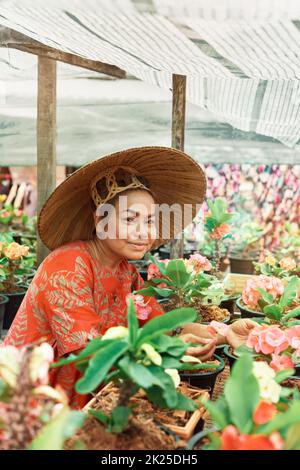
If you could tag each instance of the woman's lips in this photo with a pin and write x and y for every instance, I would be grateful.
(139, 246)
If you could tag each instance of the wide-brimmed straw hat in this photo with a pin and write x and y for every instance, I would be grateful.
(172, 175)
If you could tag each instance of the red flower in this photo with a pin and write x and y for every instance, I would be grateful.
(264, 412)
(220, 232)
(232, 440)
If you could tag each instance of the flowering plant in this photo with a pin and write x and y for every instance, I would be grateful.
(285, 267)
(264, 418)
(136, 358)
(217, 226)
(33, 414)
(11, 257)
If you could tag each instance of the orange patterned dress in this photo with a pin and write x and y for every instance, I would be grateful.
(71, 299)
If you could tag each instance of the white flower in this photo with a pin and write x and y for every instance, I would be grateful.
(173, 373)
(268, 388)
(263, 370)
(191, 359)
(10, 358)
(151, 354)
(116, 332)
(53, 393)
(41, 358)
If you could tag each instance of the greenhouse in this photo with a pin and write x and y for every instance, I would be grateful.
(149, 226)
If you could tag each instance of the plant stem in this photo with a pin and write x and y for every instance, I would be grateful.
(127, 390)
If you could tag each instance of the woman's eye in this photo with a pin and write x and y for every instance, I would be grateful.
(130, 219)
(151, 222)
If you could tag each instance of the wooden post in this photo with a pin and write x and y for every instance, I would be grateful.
(46, 138)
(178, 128)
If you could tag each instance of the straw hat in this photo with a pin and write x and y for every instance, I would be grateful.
(173, 176)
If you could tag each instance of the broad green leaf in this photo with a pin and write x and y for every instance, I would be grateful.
(92, 347)
(218, 411)
(169, 362)
(170, 345)
(295, 312)
(273, 311)
(133, 324)
(167, 386)
(290, 292)
(138, 373)
(53, 435)
(100, 416)
(176, 271)
(283, 375)
(292, 441)
(185, 403)
(99, 366)
(119, 419)
(266, 296)
(167, 322)
(151, 291)
(241, 404)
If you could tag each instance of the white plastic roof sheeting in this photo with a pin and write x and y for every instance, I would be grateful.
(244, 69)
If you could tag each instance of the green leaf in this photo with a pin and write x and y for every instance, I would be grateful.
(266, 296)
(138, 373)
(292, 441)
(176, 271)
(185, 403)
(100, 416)
(99, 366)
(61, 427)
(170, 362)
(119, 419)
(92, 347)
(241, 404)
(170, 345)
(283, 375)
(290, 292)
(167, 322)
(273, 311)
(133, 324)
(151, 291)
(218, 411)
(166, 384)
(295, 312)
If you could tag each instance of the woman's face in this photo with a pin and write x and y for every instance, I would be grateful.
(133, 225)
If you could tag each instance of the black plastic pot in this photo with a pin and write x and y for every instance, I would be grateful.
(165, 253)
(3, 302)
(204, 380)
(195, 443)
(229, 304)
(247, 312)
(220, 350)
(11, 308)
(241, 265)
(231, 358)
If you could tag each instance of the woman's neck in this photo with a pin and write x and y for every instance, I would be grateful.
(106, 257)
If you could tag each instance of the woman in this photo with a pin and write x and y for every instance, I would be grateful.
(80, 289)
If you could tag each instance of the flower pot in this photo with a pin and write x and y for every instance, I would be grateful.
(246, 312)
(165, 252)
(231, 357)
(241, 265)
(14, 301)
(229, 304)
(3, 301)
(204, 380)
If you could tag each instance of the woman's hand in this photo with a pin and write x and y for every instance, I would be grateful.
(206, 347)
(238, 332)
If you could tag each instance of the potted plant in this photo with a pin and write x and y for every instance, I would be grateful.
(34, 416)
(261, 292)
(267, 417)
(282, 268)
(217, 225)
(11, 255)
(245, 247)
(165, 251)
(134, 358)
(184, 283)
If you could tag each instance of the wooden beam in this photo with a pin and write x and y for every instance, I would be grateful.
(178, 128)
(46, 138)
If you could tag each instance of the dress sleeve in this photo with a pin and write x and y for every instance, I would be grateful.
(68, 302)
(156, 309)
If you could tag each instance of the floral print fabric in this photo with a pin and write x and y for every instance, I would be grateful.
(72, 299)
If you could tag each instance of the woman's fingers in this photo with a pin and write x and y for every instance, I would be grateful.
(203, 352)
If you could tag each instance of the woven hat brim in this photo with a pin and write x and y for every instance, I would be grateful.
(173, 176)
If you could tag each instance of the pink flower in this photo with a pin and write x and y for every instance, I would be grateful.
(198, 263)
(251, 294)
(153, 270)
(272, 285)
(281, 362)
(288, 264)
(267, 340)
(220, 232)
(218, 327)
(143, 309)
(293, 335)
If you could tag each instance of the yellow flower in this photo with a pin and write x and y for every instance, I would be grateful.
(3, 197)
(15, 251)
(173, 373)
(270, 260)
(288, 264)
